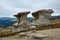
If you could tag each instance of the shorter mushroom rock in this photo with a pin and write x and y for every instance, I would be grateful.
(32, 27)
(39, 36)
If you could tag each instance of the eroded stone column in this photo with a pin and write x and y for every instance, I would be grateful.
(22, 16)
(42, 17)
(22, 21)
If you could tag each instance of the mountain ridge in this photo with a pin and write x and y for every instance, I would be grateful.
(7, 21)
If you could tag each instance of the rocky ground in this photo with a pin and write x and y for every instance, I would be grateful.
(51, 34)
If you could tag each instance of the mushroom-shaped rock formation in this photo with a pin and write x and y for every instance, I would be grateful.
(42, 17)
(22, 16)
(22, 19)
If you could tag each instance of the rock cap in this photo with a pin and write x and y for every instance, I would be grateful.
(22, 13)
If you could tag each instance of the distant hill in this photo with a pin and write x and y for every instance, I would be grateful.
(7, 21)
(54, 17)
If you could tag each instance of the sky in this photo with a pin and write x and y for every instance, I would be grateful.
(10, 7)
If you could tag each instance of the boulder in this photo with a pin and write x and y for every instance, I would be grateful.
(22, 34)
(39, 36)
(32, 27)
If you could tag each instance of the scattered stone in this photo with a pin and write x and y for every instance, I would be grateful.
(39, 36)
(22, 34)
(15, 25)
(32, 27)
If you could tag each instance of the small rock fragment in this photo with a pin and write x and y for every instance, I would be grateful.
(22, 34)
(39, 36)
(32, 27)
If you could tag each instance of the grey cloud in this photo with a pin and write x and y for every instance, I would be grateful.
(10, 7)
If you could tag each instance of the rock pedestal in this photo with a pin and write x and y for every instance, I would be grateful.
(22, 16)
(42, 17)
(22, 19)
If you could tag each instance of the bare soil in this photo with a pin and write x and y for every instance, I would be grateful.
(52, 34)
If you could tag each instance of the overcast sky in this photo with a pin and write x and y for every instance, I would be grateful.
(10, 7)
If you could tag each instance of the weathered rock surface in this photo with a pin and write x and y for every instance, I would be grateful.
(22, 20)
(42, 17)
(52, 34)
(22, 16)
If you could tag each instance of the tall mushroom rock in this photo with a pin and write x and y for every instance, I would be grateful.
(42, 17)
(22, 21)
(21, 16)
